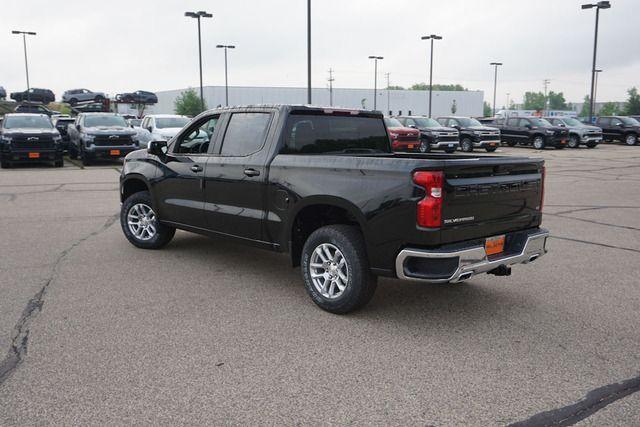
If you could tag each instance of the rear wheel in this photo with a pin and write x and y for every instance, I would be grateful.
(511, 143)
(140, 223)
(73, 101)
(424, 146)
(466, 145)
(58, 163)
(335, 269)
(574, 141)
(538, 142)
(631, 139)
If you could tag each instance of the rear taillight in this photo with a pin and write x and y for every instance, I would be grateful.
(429, 213)
(542, 178)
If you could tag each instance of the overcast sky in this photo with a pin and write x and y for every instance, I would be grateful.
(116, 46)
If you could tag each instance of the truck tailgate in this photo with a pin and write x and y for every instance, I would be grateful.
(490, 199)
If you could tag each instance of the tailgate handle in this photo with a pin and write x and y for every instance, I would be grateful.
(251, 172)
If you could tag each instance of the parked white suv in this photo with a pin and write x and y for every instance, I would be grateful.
(163, 127)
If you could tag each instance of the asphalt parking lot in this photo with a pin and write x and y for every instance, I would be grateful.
(95, 331)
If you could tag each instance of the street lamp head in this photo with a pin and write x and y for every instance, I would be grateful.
(433, 36)
(191, 14)
(375, 57)
(587, 6)
(15, 32)
(597, 71)
(219, 46)
(496, 63)
(231, 46)
(604, 5)
(204, 14)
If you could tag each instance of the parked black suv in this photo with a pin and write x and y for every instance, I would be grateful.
(29, 138)
(34, 109)
(44, 96)
(579, 133)
(323, 185)
(433, 136)
(532, 131)
(100, 136)
(620, 128)
(137, 97)
(473, 134)
(62, 124)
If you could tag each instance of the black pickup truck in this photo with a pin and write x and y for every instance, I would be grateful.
(433, 136)
(100, 136)
(473, 134)
(324, 186)
(621, 128)
(532, 131)
(29, 138)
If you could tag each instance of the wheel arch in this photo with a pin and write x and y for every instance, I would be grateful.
(132, 184)
(317, 211)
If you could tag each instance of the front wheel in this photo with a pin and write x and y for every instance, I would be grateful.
(58, 163)
(449, 150)
(466, 145)
(491, 149)
(511, 143)
(574, 142)
(538, 143)
(631, 139)
(335, 269)
(424, 147)
(592, 144)
(140, 223)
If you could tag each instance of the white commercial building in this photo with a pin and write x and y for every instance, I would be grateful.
(467, 103)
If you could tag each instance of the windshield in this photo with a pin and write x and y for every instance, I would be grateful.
(424, 122)
(28, 122)
(469, 122)
(171, 122)
(392, 123)
(109, 121)
(540, 122)
(629, 121)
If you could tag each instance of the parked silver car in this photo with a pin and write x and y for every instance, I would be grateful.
(579, 133)
(74, 96)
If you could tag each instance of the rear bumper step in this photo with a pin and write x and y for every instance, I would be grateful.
(456, 266)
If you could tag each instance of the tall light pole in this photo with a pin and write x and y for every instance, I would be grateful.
(198, 15)
(495, 84)
(308, 51)
(226, 79)
(388, 76)
(375, 79)
(26, 63)
(595, 90)
(431, 37)
(598, 6)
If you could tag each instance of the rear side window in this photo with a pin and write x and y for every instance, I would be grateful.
(245, 134)
(317, 134)
(604, 121)
(512, 122)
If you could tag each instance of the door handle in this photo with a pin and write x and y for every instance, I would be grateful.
(251, 172)
(196, 168)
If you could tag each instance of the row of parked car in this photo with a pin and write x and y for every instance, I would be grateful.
(76, 96)
(448, 133)
(91, 136)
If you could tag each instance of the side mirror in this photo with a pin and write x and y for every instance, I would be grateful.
(157, 148)
(528, 126)
(78, 127)
(413, 126)
(619, 124)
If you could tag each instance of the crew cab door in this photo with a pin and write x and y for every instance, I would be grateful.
(236, 175)
(178, 192)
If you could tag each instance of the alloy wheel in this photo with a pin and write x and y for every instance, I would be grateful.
(142, 221)
(329, 271)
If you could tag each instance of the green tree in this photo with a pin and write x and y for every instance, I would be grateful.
(486, 110)
(609, 109)
(632, 106)
(424, 86)
(557, 101)
(584, 112)
(188, 104)
(395, 87)
(533, 101)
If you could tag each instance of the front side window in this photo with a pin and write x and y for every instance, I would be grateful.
(245, 134)
(320, 134)
(540, 122)
(198, 138)
(616, 122)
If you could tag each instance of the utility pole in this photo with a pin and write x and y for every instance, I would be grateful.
(308, 51)
(26, 64)
(330, 80)
(598, 6)
(595, 90)
(198, 15)
(495, 84)
(375, 79)
(507, 107)
(388, 76)
(226, 79)
(546, 83)
(431, 37)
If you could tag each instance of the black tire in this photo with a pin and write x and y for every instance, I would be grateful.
(73, 101)
(559, 147)
(574, 141)
(466, 145)
(511, 143)
(424, 146)
(630, 139)
(86, 161)
(538, 142)
(491, 149)
(361, 283)
(98, 98)
(73, 152)
(163, 234)
(58, 163)
(5, 164)
(449, 150)
(592, 144)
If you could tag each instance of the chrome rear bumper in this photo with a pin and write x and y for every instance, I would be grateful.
(473, 260)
